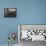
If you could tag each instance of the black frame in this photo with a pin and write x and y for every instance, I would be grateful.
(10, 14)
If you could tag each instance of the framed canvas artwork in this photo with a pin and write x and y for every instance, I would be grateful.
(10, 12)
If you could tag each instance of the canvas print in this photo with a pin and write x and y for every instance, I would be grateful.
(10, 12)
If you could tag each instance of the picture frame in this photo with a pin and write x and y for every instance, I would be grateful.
(10, 12)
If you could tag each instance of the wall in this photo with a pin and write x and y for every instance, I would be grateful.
(28, 12)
